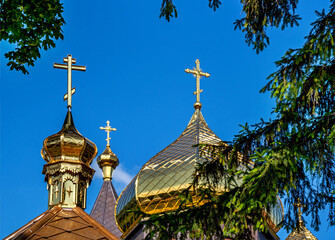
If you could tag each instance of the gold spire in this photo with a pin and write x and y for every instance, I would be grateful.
(107, 161)
(70, 91)
(108, 129)
(198, 74)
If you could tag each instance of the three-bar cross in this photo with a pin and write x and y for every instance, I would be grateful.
(108, 129)
(69, 60)
(198, 74)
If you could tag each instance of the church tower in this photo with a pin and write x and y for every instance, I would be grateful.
(104, 206)
(68, 174)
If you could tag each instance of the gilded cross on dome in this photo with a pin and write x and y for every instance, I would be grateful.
(299, 205)
(69, 60)
(108, 129)
(198, 74)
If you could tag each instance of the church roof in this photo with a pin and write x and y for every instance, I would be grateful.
(302, 234)
(104, 208)
(62, 223)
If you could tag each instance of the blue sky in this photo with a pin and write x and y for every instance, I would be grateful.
(135, 79)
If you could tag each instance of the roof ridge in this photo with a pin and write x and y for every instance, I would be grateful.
(43, 226)
(34, 224)
(103, 210)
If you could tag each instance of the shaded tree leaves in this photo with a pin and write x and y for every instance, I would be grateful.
(31, 26)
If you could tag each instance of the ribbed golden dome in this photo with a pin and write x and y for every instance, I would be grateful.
(68, 145)
(108, 158)
(160, 182)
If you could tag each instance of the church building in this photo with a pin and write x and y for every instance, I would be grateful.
(154, 189)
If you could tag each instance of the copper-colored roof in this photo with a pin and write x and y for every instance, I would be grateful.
(65, 224)
(302, 234)
(104, 208)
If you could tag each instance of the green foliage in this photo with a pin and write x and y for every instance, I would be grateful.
(214, 4)
(292, 155)
(168, 9)
(259, 15)
(31, 26)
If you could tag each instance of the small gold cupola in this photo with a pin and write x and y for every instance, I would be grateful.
(107, 161)
(68, 155)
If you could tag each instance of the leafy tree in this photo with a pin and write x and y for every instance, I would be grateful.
(31, 26)
(293, 154)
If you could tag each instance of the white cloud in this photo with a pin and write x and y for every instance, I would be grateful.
(98, 172)
(121, 176)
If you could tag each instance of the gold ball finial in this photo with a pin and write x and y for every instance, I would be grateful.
(197, 105)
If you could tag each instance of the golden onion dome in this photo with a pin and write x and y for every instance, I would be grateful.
(68, 145)
(159, 183)
(107, 157)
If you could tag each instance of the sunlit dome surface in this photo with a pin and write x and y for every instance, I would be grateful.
(155, 189)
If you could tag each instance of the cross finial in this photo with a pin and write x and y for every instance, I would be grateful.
(108, 129)
(69, 60)
(198, 74)
(299, 205)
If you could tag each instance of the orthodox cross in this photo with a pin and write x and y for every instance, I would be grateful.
(299, 205)
(108, 129)
(69, 60)
(198, 74)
